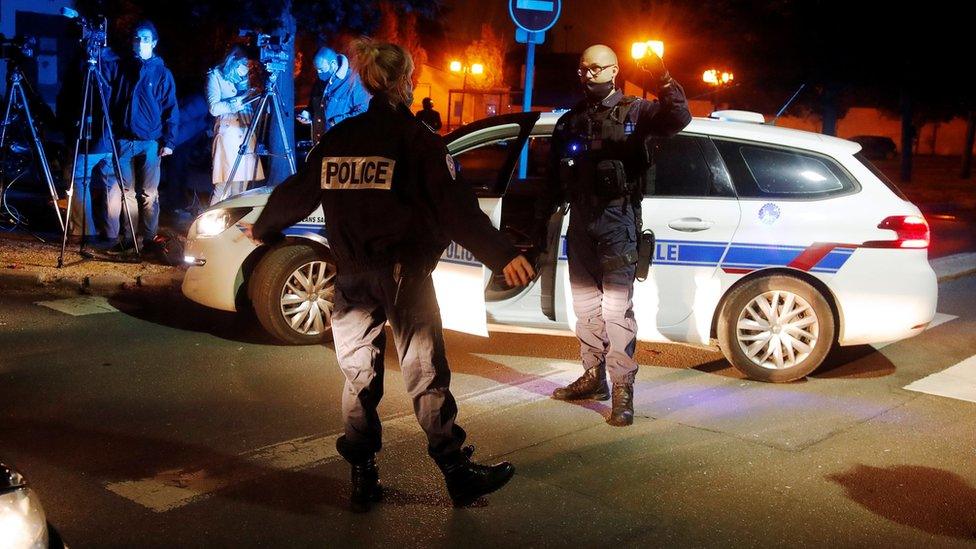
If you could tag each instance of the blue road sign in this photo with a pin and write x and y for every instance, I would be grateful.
(535, 15)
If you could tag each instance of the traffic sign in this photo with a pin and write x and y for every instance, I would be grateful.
(535, 15)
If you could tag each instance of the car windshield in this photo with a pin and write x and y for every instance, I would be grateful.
(880, 175)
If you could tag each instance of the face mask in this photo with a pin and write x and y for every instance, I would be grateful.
(145, 50)
(597, 91)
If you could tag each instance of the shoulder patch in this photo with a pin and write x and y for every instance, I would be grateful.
(451, 167)
(357, 173)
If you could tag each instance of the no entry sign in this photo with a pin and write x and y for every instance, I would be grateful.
(534, 15)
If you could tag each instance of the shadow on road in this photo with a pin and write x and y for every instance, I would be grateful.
(109, 457)
(932, 500)
(856, 362)
(173, 310)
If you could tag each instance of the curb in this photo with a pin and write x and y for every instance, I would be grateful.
(955, 266)
(105, 285)
(20, 279)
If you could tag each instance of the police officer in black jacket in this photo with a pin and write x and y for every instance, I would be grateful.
(391, 203)
(599, 165)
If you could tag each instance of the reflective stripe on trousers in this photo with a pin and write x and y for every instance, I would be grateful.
(603, 301)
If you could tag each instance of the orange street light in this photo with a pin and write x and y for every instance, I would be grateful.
(639, 49)
(477, 68)
(456, 66)
(717, 78)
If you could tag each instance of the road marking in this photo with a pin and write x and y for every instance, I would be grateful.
(938, 320)
(171, 489)
(80, 306)
(957, 382)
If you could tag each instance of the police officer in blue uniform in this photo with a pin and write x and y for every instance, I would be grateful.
(600, 165)
(391, 203)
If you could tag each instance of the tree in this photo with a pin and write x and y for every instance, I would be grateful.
(490, 51)
(401, 28)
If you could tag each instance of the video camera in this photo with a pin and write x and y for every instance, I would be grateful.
(17, 48)
(272, 50)
(94, 31)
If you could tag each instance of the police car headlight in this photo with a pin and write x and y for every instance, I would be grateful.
(22, 519)
(214, 222)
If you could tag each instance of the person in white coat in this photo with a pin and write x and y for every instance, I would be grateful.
(228, 94)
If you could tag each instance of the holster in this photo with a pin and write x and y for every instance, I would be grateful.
(645, 254)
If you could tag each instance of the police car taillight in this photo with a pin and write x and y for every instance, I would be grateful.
(912, 231)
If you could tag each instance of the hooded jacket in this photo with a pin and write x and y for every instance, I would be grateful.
(143, 102)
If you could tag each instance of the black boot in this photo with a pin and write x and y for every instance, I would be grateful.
(366, 487)
(622, 408)
(591, 385)
(467, 481)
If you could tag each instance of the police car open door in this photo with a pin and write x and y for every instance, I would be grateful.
(492, 146)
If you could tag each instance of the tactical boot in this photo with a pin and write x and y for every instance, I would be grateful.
(622, 408)
(592, 385)
(366, 487)
(467, 481)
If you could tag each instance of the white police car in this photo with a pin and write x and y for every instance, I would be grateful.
(777, 243)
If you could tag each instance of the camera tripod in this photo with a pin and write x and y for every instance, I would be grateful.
(17, 98)
(269, 107)
(94, 89)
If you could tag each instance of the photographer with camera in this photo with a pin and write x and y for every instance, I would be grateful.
(336, 95)
(229, 96)
(145, 116)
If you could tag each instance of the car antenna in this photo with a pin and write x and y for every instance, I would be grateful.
(787, 105)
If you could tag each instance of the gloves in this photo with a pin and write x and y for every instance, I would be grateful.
(654, 65)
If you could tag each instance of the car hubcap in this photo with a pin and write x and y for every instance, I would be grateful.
(308, 298)
(777, 330)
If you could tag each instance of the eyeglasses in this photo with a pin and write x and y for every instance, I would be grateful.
(595, 70)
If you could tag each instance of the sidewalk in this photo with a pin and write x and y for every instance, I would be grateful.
(26, 263)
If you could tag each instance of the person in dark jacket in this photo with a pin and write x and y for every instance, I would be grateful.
(429, 116)
(598, 163)
(336, 95)
(391, 203)
(145, 117)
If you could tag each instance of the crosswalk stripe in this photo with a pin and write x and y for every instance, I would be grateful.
(80, 306)
(958, 382)
(171, 489)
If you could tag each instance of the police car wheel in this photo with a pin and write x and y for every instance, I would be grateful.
(293, 294)
(776, 328)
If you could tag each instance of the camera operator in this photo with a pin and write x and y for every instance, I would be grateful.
(228, 91)
(145, 116)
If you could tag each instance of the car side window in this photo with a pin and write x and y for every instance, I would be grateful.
(680, 169)
(769, 172)
(479, 166)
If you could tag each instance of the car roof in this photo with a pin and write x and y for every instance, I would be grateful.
(746, 131)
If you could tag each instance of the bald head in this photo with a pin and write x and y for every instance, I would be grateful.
(598, 54)
(326, 63)
(601, 62)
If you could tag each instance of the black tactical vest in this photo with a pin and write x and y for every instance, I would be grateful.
(603, 162)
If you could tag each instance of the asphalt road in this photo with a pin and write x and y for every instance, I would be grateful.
(166, 424)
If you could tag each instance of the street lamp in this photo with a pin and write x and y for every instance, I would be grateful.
(640, 50)
(717, 79)
(476, 69)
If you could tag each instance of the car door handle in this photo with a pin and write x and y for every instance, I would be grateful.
(690, 224)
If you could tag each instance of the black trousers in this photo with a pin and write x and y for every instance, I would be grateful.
(364, 303)
(603, 299)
